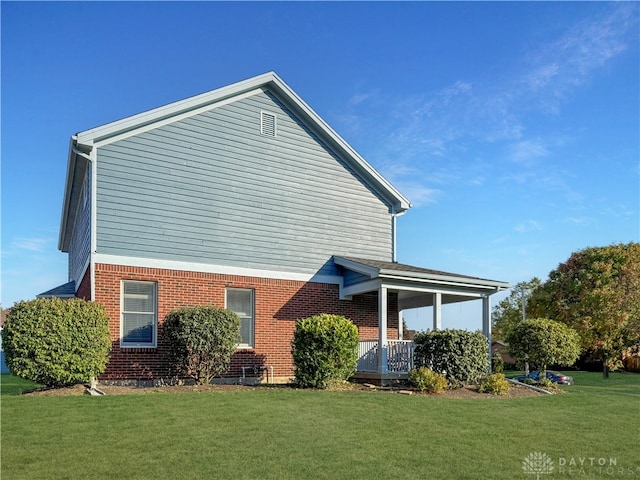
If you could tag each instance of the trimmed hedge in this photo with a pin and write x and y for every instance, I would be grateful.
(57, 342)
(325, 350)
(460, 355)
(201, 341)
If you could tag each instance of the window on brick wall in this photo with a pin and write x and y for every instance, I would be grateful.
(139, 320)
(241, 301)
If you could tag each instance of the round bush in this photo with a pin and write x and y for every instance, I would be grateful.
(57, 342)
(325, 350)
(201, 341)
(426, 380)
(495, 384)
(460, 355)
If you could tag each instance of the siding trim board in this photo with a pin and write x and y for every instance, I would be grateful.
(106, 259)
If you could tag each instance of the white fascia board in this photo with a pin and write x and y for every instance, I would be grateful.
(211, 268)
(367, 270)
(402, 204)
(71, 158)
(99, 134)
(445, 279)
(436, 280)
(77, 165)
(175, 111)
(432, 288)
(358, 288)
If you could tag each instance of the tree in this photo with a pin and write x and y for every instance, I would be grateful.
(57, 342)
(509, 312)
(596, 292)
(544, 342)
(201, 341)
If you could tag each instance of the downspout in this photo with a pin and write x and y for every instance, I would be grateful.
(394, 234)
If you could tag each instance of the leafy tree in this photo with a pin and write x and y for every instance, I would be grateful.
(57, 342)
(508, 313)
(544, 342)
(201, 341)
(596, 292)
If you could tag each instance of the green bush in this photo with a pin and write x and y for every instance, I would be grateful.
(495, 384)
(497, 364)
(325, 350)
(460, 355)
(201, 341)
(427, 380)
(57, 342)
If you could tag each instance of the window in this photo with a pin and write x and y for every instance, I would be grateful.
(268, 124)
(139, 318)
(240, 300)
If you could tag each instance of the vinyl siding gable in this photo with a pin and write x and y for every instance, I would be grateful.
(212, 188)
(80, 246)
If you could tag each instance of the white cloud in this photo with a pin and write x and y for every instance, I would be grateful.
(581, 221)
(528, 226)
(32, 244)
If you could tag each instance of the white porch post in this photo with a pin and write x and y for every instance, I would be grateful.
(486, 323)
(382, 330)
(437, 311)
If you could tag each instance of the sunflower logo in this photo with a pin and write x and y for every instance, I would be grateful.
(537, 463)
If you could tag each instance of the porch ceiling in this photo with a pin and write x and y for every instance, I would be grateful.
(415, 285)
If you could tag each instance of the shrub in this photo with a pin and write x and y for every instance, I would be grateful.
(461, 355)
(495, 384)
(325, 350)
(544, 342)
(57, 342)
(201, 341)
(427, 380)
(497, 364)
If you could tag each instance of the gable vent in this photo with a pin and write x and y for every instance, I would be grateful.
(268, 124)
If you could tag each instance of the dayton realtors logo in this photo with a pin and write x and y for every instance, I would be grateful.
(537, 463)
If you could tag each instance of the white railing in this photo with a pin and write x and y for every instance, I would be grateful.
(368, 356)
(399, 356)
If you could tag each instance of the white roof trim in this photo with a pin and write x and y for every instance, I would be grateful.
(190, 106)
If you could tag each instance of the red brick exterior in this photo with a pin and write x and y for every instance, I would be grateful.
(278, 304)
(84, 289)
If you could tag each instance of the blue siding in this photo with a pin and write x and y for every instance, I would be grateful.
(80, 246)
(351, 278)
(211, 189)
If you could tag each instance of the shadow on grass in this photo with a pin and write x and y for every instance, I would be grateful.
(12, 385)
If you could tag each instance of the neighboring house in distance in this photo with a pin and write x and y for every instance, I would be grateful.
(498, 347)
(244, 198)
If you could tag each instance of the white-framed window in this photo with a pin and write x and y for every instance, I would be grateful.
(268, 124)
(139, 319)
(241, 301)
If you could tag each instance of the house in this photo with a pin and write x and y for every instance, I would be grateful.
(501, 349)
(242, 197)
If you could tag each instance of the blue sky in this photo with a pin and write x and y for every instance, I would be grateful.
(512, 127)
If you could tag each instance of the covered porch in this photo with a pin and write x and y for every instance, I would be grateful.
(386, 359)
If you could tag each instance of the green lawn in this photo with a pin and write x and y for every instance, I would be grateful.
(284, 433)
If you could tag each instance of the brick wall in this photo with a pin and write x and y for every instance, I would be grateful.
(84, 289)
(278, 304)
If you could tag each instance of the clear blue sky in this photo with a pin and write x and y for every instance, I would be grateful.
(512, 127)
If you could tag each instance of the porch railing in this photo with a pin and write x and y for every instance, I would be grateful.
(399, 356)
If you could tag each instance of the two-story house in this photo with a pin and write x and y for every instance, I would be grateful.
(244, 198)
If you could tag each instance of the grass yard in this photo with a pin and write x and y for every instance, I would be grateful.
(284, 433)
